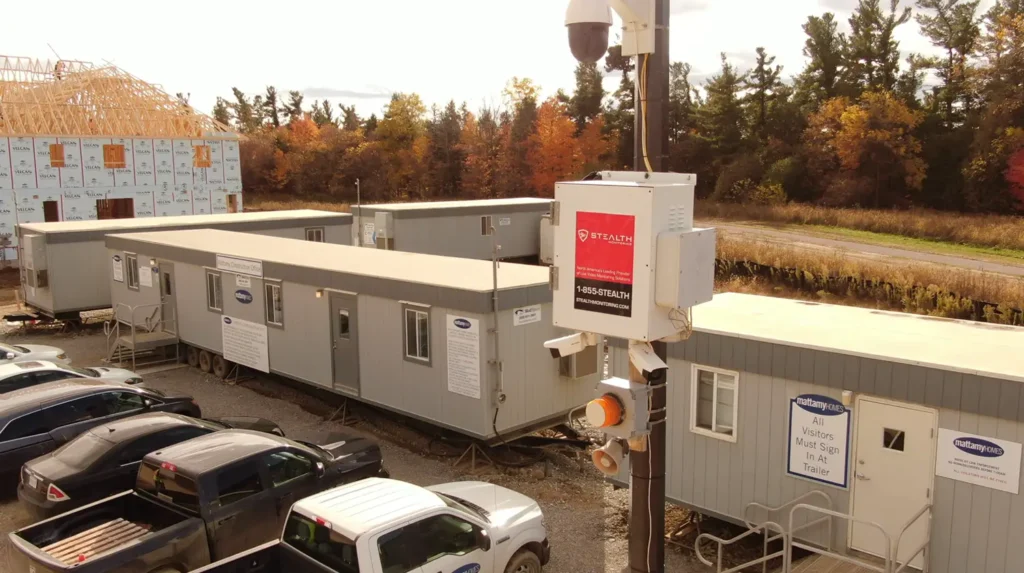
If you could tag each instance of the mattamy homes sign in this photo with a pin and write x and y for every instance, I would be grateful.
(978, 460)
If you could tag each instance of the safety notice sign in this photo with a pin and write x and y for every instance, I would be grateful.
(604, 263)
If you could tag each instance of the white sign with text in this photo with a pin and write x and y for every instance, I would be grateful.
(464, 356)
(118, 268)
(819, 437)
(243, 266)
(988, 462)
(245, 342)
(526, 315)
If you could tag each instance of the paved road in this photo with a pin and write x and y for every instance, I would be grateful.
(866, 249)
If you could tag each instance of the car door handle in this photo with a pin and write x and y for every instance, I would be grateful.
(227, 519)
(863, 477)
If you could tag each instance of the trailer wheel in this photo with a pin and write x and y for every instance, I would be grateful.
(205, 361)
(525, 561)
(220, 366)
(192, 356)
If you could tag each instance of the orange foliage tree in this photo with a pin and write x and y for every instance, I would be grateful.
(554, 154)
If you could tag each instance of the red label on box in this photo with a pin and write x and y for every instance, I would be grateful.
(604, 263)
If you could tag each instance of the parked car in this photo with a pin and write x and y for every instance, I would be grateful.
(25, 352)
(193, 502)
(18, 375)
(384, 525)
(37, 420)
(105, 460)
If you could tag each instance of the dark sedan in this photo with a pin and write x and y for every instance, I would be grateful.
(37, 420)
(105, 459)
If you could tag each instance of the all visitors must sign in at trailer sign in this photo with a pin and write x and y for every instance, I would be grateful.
(604, 263)
(819, 437)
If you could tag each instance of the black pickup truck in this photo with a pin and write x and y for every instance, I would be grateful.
(195, 502)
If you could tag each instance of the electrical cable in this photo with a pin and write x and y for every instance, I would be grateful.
(642, 83)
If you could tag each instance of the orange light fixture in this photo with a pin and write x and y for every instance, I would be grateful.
(605, 411)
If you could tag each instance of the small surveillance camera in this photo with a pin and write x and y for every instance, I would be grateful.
(569, 345)
(641, 355)
(588, 22)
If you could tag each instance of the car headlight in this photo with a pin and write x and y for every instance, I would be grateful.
(62, 356)
(135, 380)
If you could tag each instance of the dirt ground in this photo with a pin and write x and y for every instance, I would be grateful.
(587, 519)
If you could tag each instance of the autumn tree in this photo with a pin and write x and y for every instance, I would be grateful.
(482, 145)
(865, 152)
(402, 135)
(554, 153)
(1015, 176)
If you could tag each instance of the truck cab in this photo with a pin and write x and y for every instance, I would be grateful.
(386, 526)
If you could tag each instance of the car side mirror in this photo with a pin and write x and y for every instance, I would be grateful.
(147, 403)
(483, 539)
(10, 356)
(320, 470)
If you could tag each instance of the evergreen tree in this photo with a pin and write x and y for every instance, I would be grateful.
(585, 104)
(349, 118)
(371, 125)
(763, 84)
(293, 109)
(221, 112)
(620, 111)
(873, 54)
(445, 156)
(681, 107)
(245, 116)
(271, 107)
(825, 47)
(952, 26)
(721, 116)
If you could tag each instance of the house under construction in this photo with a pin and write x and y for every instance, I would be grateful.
(81, 141)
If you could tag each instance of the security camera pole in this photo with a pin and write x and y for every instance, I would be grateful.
(647, 466)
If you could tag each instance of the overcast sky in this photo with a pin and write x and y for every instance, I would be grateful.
(360, 51)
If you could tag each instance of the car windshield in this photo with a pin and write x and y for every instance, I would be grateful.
(88, 372)
(316, 540)
(5, 349)
(317, 449)
(83, 451)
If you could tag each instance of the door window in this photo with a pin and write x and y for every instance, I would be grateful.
(344, 326)
(80, 410)
(167, 284)
(32, 424)
(17, 382)
(401, 550)
(52, 376)
(448, 535)
(321, 544)
(284, 467)
(123, 402)
(238, 482)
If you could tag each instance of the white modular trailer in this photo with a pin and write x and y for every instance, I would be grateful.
(455, 228)
(408, 332)
(56, 178)
(887, 415)
(65, 269)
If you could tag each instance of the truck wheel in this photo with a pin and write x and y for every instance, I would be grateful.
(205, 361)
(525, 561)
(192, 356)
(220, 366)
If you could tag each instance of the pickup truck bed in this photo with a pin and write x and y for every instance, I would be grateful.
(94, 541)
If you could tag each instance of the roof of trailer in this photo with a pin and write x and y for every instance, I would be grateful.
(143, 223)
(968, 347)
(469, 205)
(431, 270)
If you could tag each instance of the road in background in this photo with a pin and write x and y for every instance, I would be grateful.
(866, 250)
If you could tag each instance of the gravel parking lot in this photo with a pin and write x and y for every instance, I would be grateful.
(586, 518)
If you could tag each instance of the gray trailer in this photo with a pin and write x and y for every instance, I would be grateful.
(858, 431)
(455, 228)
(64, 265)
(415, 334)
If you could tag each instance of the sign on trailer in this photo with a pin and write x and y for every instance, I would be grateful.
(146, 276)
(464, 356)
(988, 462)
(245, 343)
(526, 315)
(369, 237)
(819, 437)
(604, 263)
(242, 281)
(118, 264)
(236, 265)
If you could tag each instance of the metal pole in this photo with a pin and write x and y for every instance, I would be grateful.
(359, 219)
(647, 468)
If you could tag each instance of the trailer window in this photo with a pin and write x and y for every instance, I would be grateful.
(321, 544)
(214, 300)
(274, 304)
(713, 403)
(133, 271)
(417, 334)
(315, 234)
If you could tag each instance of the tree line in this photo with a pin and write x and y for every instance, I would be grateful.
(858, 126)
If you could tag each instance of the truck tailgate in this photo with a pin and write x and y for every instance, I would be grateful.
(91, 542)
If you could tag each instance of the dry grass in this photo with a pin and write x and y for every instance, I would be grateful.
(272, 204)
(918, 288)
(995, 231)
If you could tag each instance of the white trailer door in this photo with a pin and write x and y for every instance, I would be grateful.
(345, 342)
(893, 474)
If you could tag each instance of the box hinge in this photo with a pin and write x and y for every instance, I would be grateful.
(553, 278)
(556, 210)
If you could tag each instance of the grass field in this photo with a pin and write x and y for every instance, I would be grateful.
(994, 234)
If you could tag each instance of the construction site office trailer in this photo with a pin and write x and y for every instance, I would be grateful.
(883, 416)
(455, 228)
(65, 269)
(410, 333)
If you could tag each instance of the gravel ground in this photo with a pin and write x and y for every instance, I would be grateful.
(586, 518)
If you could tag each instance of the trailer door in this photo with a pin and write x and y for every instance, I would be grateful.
(169, 308)
(345, 342)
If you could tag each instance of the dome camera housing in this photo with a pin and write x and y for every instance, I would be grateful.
(588, 22)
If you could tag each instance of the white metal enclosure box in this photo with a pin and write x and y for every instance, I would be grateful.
(606, 243)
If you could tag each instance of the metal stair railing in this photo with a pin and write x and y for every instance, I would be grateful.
(791, 543)
(113, 332)
(922, 549)
(766, 528)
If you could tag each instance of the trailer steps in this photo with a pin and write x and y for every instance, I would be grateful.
(150, 339)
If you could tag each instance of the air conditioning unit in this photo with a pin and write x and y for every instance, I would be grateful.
(581, 364)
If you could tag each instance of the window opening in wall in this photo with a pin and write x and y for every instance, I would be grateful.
(214, 300)
(713, 409)
(893, 439)
(417, 334)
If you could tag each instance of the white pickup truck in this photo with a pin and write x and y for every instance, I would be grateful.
(387, 526)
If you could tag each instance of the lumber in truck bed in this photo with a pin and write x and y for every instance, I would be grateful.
(97, 540)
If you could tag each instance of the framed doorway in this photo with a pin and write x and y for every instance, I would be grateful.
(115, 208)
(232, 203)
(51, 211)
(345, 342)
(894, 473)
